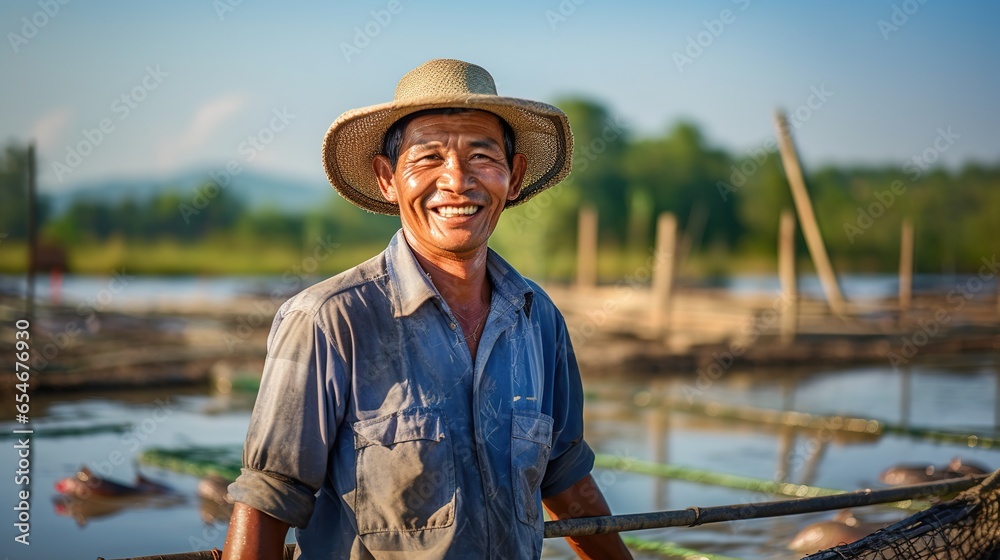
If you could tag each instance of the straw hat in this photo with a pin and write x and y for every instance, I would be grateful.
(542, 131)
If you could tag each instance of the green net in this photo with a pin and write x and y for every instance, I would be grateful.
(966, 528)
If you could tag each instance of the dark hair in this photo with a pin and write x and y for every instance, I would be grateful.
(393, 138)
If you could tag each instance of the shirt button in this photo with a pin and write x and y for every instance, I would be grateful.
(452, 326)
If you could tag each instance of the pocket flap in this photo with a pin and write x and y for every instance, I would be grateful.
(406, 425)
(532, 426)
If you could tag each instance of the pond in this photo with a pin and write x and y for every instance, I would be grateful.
(624, 417)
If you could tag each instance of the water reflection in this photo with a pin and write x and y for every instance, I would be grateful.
(627, 417)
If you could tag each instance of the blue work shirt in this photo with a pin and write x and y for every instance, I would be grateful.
(377, 437)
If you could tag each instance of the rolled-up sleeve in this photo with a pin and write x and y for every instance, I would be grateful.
(294, 421)
(571, 458)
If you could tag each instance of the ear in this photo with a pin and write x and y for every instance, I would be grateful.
(517, 171)
(385, 176)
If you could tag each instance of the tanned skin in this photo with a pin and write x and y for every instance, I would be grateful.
(446, 163)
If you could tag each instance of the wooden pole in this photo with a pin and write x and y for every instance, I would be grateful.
(663, 269)
(810, 228)
(996, 283)
(658, 430)
(32, 233)
(786, 275)
(586, 249)
(905, 268)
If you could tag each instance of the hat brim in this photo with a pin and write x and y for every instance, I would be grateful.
(542, 134)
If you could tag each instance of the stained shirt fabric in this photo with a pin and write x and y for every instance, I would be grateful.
(377, 437)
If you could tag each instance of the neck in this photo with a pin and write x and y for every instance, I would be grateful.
(461, 279)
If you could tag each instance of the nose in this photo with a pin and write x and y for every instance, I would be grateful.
(456, 176)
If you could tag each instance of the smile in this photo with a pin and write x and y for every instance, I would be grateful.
(452, 211)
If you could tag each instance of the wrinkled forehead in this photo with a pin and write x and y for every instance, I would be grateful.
(467, 125)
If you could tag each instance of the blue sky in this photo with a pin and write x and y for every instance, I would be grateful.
(216, 71)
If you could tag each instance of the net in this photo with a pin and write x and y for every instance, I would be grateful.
(966, 528)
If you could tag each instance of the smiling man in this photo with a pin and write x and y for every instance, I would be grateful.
(425, 403)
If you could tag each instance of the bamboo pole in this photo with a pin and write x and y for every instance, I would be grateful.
(810, 228)
(694, 516)
(701, 476)
(833, 424)
(768, 416)
(663, 270)
(786, 275)
(905, 268)
(586, 249)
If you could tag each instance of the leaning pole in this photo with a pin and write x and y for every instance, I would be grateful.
(803, 206)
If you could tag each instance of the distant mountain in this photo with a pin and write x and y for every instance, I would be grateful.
(255, 189)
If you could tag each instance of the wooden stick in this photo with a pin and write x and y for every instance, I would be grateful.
(691, 517)
(786, 274)
(663, 270)
(810, 228)
(905, 268)
(586, 249)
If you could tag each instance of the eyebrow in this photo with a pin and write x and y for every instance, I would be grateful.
(487, 144)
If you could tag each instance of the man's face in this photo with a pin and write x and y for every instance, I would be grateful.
(451, 181)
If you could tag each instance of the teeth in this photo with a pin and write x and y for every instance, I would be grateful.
(449, 211)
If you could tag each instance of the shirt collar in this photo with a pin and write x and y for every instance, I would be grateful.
(412, 286)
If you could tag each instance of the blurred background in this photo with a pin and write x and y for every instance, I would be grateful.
(173, 150)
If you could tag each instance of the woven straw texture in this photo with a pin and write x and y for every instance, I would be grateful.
(542, 131)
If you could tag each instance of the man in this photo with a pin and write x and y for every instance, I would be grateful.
(425, 403)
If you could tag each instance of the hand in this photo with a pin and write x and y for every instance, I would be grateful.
(584, 499)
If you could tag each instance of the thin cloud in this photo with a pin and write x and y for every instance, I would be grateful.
(206, 121)
(50, 128)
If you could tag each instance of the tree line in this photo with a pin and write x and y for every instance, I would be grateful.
(725, 203)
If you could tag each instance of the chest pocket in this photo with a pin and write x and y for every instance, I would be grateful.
(531, 442)
(405, 472)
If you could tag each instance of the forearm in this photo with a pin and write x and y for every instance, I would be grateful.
(254, 535)
(584, 499)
